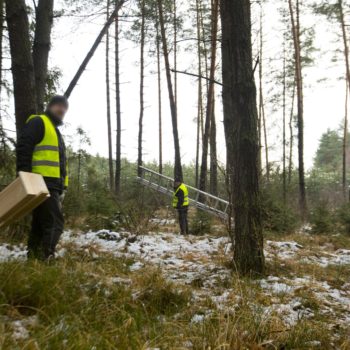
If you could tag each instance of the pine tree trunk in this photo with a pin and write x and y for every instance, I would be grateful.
(1, 61)
(118, 161)
(108, 96)
(284, 172)
(345, 144)
(347, 64)
(300, 100)
(142, 77)
(345, 41)
(213, 154)
(241, 133)
(178, 166)
(175, 53)
(22, 62)
(200, 90)
(41, 48)
(160, 122)
(291, 135)
(262, 118)
(210, 98)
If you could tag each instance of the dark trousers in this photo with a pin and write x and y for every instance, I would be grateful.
(183, 220)
(47, 227)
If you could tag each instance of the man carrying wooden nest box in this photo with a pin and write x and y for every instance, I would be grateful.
(41, 150)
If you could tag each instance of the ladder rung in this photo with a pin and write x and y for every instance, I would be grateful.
(156, 184)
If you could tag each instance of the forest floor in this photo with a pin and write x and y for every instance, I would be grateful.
(160, 290)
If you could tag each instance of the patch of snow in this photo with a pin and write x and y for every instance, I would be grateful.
(20, 327)
(197, 318)
(12, 252)
(163, 222)
(276, 287)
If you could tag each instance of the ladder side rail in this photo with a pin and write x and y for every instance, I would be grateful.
(188, 186)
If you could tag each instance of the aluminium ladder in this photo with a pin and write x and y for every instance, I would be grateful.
(164, 184)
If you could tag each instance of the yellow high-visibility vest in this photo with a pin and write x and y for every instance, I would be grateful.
(46, 155)
(176, 199)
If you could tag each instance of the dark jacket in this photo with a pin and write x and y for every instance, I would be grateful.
(181, 198)
(32, 134)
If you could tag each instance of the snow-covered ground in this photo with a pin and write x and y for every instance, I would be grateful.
(202, 263)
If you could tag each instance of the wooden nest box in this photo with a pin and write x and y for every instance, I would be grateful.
(23, 195)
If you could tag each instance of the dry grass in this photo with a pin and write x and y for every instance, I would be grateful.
(91, 300)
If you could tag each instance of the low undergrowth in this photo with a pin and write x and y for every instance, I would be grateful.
(78, 302)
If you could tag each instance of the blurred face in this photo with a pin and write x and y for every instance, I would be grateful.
(177, 184)
(59, 110)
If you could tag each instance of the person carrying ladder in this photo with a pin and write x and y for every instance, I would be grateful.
(181, 203)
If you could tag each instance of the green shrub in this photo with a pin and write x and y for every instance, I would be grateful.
(201, 224)
(343, 215)
(322, 219)
(278, 217)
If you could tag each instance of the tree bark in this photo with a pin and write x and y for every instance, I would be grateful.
(284, 172)
(347, 65)
(142, 77)
(178, 166)
(345, 41)
(345, 144)
(200, 89)
(175, 54)
(1, 61)
(160, 131)
(118, 161)
(210, 97)
(22, 62)
(240, 121)
(213, 154)
(262, 117)
(291, 135)
(41, 48)
(108, 97)
(300, 99)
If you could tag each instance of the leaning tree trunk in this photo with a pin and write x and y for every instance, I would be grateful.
(142, 78)
(41, 48)
(108, 97)
(93, 49)
(118, 161)
(178, 166)
(300, 100)
(210, 98)
(240, 121)
(22, 62)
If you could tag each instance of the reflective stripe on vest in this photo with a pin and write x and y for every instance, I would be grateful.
(46, 155)
(176, 199)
